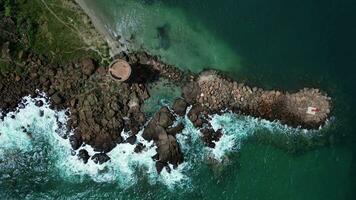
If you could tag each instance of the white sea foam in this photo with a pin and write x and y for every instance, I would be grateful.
(125, 167)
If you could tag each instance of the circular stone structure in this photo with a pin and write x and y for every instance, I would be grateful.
(120, 70)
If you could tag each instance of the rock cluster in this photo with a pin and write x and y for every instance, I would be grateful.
(216, 92)
(160, 130)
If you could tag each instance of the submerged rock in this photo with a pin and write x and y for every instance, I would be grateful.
(100, 158)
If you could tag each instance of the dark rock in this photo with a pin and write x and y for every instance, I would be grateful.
(100, 158)
(21, 106)
(174, 130)
(84, 155)
(211, 145)
(168, 169)
(180, 107)
(139, 147)
(169, 150)
(160, 165)
(195, 115)
(39, 103)
(88, 66)
(119, 139)
(131, 139)
(155, 157)
(75, 141)
(210, 136)
(164, 117)
(190, 92)
(57, 99)
(150, 131)
(103, 143)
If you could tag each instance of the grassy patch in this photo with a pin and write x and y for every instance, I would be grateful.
(57, 29)
(58, 33)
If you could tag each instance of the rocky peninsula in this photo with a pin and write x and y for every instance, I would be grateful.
(101, 108)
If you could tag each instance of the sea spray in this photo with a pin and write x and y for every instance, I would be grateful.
(30, 132)
(34, 136)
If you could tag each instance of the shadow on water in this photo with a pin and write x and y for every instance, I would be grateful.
(143, 74)
(163, 36)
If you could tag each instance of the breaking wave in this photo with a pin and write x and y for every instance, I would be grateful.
(33, 133)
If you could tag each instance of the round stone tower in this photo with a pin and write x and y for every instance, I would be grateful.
(120, 70)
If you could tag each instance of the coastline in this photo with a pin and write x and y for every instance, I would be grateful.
(114, 45)
(101, 108)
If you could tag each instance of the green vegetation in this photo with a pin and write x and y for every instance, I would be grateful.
(56, 29)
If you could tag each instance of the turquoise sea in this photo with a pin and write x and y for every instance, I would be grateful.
(277, 44)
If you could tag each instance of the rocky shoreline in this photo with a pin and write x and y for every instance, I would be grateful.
(100, 108)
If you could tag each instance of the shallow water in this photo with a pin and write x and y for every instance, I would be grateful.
(272, 44)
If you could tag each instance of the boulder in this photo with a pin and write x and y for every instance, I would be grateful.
(139, 148)
(195, 115)
(149, 132)
(39, 103)
(164, 117)
(75, 141)
(210, 136)
(88, 67)
(180, 107)
(83, 155)
(57, 99)
(160, 165)
(177, 129)
(131, 140)
(190, 92)
(100, 158)
(169, 151)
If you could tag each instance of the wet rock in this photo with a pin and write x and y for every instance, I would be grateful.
(177, 129)
(75, 141)
(88, 66)
(150, 131)
(210, 136)
(131, 140)
(160, 165)
(100, 158)
(39, 103)
(83, 155)
(169, 151)
(139, 148)
(41, 113)
(103, 142)
(155, 157)
(195, 115)
(180, 107)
